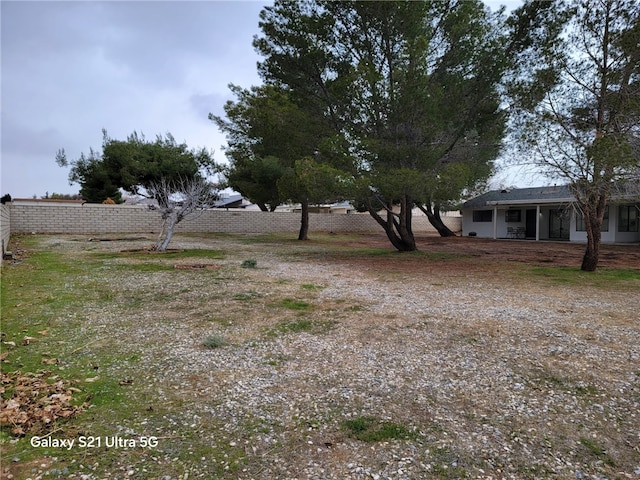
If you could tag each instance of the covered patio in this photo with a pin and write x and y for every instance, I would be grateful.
(544, 213)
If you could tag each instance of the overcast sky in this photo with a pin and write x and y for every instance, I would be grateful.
(70, 69)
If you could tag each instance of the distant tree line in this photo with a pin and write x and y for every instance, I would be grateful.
(62, 196)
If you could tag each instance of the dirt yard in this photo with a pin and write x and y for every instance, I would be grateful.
(339, 358)
(540, 253)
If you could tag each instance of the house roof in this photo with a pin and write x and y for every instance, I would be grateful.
(231, 201)
(534, 195)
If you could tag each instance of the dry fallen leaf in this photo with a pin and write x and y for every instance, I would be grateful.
(44, 332)
(27, 340)
(91, 380)
(36, 403)
(49, 361)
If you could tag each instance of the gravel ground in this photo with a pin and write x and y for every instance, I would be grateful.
(493, 375)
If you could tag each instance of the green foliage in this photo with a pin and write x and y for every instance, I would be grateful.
(267, 134)
(214, 341)
(279, 149)
(298, 326)
(535, 33)
(256, 178)
(602, 278)
(313, 182)
(96, 182)
(370, 429)
(135, 165)
(62, 196)
(415, 124)
(295, 304)
(249, 263)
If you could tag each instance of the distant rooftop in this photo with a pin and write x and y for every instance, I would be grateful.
(23, 201)
(231, 201)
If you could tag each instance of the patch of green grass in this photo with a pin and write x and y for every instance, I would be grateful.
(245, 296)
(47, 296)
(309, 286)
(596, 451)
(37, 296)
(295, 304)
(173, 255)
(249, 263)
(602, 277)
(551, 380)
(370, 429)
(298, 326)
(145, 267)
(214, 341)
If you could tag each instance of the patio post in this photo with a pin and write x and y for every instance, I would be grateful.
(495, 222)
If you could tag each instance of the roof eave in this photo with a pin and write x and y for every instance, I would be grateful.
(530, 202)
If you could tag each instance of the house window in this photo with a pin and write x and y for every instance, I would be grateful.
(513, 216)
(581, 227)
(483, 215)
(627, 218)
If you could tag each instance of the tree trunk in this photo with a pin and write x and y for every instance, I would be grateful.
(304, 222)
(266, 208)
(592, 252)
(433, 215)
(405, 227)
(593, 222)
(399, 231)
(166, 234)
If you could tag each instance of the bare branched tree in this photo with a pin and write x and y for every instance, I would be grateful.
(178, 199)
(586, 130)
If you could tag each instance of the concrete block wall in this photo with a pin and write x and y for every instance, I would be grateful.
(5, 226)
(87, 219)
(97, 219)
